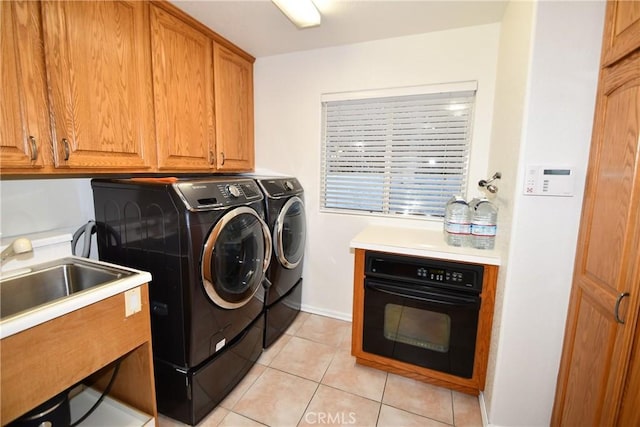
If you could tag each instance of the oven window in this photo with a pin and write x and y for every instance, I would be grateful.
(419, 328)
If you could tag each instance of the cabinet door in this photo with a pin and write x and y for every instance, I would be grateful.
(233, 82)
(183, 93)
(25, 139)
(622, 30)
(98, 62)
(605, 289)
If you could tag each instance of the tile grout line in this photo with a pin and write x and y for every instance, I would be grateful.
(306, 408)
(384, 389)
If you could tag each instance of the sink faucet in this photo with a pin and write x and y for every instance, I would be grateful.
(19, 246)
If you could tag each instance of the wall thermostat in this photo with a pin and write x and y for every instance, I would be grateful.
(549, 181)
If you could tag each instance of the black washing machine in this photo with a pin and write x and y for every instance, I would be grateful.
(207, 247)
(284, 203)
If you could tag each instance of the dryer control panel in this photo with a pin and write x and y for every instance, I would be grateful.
(201, 195)
(281, 187)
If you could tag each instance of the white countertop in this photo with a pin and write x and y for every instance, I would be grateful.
(419, 242)
(28, 319)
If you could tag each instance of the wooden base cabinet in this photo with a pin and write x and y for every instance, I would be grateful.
(599, 378)
(472, 385)
(42, 361)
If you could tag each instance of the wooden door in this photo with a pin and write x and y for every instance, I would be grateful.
(98, 64)
(25, 138)
(233, 83)
(183, 93)
(606, 284)
(622, 31)
(630, 404)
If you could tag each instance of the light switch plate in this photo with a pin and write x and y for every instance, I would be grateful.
(132, 301)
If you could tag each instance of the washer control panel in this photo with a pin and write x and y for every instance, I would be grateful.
(201, 195)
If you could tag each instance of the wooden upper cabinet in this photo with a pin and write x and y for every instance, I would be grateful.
(621, 31)
(233, 82)
(183, 93)
(25, 135)
(98, 67)
(120, 87)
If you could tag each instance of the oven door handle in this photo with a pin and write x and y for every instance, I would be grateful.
(418, 295)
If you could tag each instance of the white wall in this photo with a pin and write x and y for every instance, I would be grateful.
(516, 39)
(31, 206)
(288, 134)
(535, 281)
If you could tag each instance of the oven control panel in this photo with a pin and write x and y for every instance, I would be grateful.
(445, 275)
(425, 271)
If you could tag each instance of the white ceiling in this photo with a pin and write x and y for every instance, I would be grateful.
(258, 26)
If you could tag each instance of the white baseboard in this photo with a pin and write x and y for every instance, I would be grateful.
(483, 410)
(328, 313)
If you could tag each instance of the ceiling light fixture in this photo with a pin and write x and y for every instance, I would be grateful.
(303, 13)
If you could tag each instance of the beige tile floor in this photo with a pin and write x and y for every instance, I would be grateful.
(308, 377)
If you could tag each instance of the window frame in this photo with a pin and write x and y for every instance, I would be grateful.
(455, 87)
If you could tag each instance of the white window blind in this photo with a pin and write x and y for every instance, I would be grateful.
(396, 155)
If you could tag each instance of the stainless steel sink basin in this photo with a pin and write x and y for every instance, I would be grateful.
(48, 282)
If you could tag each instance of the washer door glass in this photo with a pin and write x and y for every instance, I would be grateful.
(290, 232)
(235, 258)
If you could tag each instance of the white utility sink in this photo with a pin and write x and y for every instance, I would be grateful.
(41, 292)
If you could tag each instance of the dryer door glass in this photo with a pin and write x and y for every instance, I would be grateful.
(235, 258)
(290, 233)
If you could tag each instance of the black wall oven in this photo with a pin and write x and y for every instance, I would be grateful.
(422, 311)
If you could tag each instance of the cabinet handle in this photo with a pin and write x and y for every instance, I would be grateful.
(212, 158)
(65, 146)
(222, 156)
(34, 148)
(616, 310)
